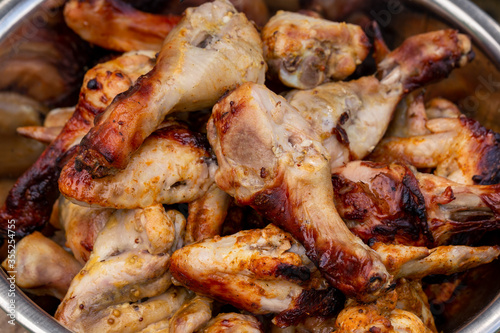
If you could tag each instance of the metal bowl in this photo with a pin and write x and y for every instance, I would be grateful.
(482, 315)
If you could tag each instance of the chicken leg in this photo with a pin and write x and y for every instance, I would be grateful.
(271, 159)
(213, 49)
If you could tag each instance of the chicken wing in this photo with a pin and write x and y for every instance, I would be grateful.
(212, 50)
(305, 51)
(124, 269)
(81, 226)
(116, 25)
(173, 165)
(352, 117)
(30, 200)
(192, 316)
(392, 204)
(458, 148)
(233, 323)
(271, 159)
(379, 316)
(412, 298)
(41, 266)
(413, 262)
(260, 271)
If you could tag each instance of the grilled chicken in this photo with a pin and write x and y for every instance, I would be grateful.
(413, 262)
(124, 269)
(459, 148)
(260, 271)
(192, 316)
(30, 200)
(358, 318)
(116, 25)
(412, 298)
(41, 266)
(206, 215)
(392, 204)
(173, 165)
(305, 51)
(352, 117)
(82, 225)
(233, 323)
(212, 50)
(271, 159)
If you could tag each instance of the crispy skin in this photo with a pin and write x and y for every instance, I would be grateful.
(392, 204)
(42, 267)
(352, 117)
(213, 49)
(260, 271)
(270, 158)
(124, 269)
(117, 26)
(30, 200)
(305, 51)
(233, 323)
(459, 148)
(174, 165)
(381, 203)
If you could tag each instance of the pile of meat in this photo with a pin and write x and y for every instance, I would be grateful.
(304, 214)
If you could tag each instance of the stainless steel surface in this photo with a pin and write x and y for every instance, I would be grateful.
(461, 13)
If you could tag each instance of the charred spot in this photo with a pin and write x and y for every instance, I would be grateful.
(344, 117)
(293, 273)
(180, 133)
(312, 303)
(205, 41)
(120, 75)
(263, 172)
(87, 246)
(94, 84)
(341, 135)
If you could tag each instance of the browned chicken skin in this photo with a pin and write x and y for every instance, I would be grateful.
(305, 51)
(393, 204)
(116, 25)
(30, 200)
(459, 148)
(173, 165)
(271, 159)
(352, 117)
(213, 49)
(261, 271)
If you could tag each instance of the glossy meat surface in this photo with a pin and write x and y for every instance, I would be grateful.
(271, 159)
(115, 25)
(30, 200)
(173, 165)
(458, 148)
(213, 49)
(305, 51)
(393, 204)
